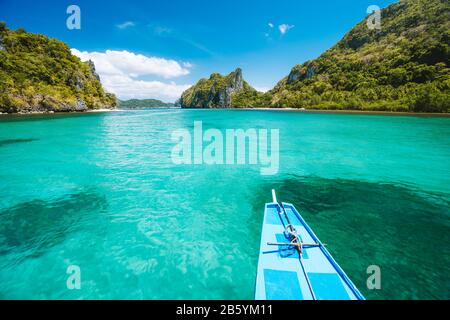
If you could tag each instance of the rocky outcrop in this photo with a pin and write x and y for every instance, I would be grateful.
(215, 92)
(2, 47)
(2, 30)
(91, 66)
(301, 72)
(46, 104)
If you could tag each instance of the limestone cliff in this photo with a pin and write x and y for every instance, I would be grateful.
(216, 92)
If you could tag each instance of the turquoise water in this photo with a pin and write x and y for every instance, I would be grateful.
(100, 191)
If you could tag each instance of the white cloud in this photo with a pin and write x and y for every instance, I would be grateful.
(120, 73)
(134, 65)
(126, 87)
(125, 25)
(160, 30)
(262, 89)
(285, 28)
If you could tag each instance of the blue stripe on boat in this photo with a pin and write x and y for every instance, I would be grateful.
(272, 216)
(282, 285)
(328, 286)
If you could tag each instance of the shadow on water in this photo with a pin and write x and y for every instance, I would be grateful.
(6, 142)
(33, 227)
(396, 227)
(42, 116)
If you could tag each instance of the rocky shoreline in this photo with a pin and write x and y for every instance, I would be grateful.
(37, 112)
(371, 112)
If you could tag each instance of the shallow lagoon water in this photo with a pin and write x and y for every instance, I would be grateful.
(100, 191)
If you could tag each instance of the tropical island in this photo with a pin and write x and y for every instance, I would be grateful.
(39, 74)
(402, 67)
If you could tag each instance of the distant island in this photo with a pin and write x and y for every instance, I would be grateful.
(404, 66)
(143, 104)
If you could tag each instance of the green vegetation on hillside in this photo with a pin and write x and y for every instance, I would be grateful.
(144, 103)
(217, 92)
(402, 67)
(40, 74)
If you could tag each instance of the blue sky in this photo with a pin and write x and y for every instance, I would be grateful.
(158, 48)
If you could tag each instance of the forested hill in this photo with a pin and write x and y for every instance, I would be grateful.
(144, 103)
(404, 66)
(217, 91)
(40, 74)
